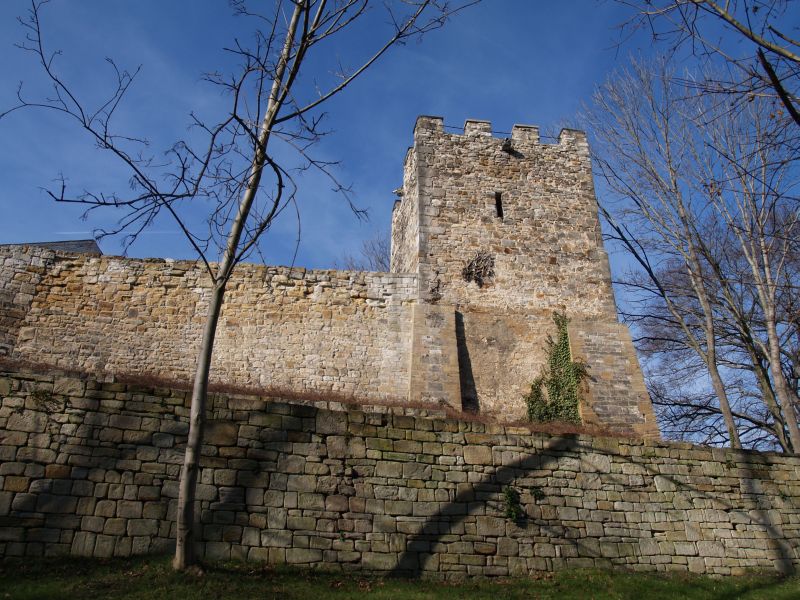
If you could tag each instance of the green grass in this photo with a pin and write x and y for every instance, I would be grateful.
(150, 578)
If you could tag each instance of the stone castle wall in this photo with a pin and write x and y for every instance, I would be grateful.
(421, 334)
(358, 335)
(89, 468)
(405, 222)
(336, 332)
(21, 271)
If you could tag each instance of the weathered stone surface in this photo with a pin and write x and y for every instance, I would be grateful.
(379, 561)
(477, 455)
(139, 316)
(221, 433)
(584, 502)
(303, 555)
(664, 484)
(330, 423)
(68, 386)
(491, 526)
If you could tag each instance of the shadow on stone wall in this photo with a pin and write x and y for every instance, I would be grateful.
(285, 482)
(469, 393)
(418, 553)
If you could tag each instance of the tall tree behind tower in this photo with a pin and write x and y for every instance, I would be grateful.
(704, 200)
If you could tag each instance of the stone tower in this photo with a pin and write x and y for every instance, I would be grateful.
(501, 234)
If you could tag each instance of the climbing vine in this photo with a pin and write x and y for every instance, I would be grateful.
(555, 393)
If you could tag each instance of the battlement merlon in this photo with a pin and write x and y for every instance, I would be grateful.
(427, 125)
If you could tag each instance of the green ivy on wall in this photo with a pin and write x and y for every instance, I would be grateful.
(555, 393)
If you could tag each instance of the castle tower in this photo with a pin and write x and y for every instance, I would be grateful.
(502, 233)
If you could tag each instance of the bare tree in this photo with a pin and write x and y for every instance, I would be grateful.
(232, 169)
(753, 189)
(756, 39)
(675, 375)
(696, 193)
(374, 255)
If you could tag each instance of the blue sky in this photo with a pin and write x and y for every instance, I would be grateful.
(508, 61)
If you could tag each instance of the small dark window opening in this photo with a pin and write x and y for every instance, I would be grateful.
(498, 204)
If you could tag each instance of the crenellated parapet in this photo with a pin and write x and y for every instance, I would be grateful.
(521, 134)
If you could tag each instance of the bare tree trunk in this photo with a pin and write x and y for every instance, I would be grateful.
(186, 542)
(784, 397)
(711, 335)
(184, 550)
(722, 394)
(693, 244)
(762, 378)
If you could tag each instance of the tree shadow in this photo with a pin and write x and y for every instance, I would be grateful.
(736, 489)
(576, 547)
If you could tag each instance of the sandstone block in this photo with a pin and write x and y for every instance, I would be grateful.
(330, 423)
(129, 509)
(398, 507)
(304, 523)
(128, 422)
(15, 483)
(83, 544)
(48, 503)
(67, 386)
(218, 550)
(337, 503)
(311, 501)
(588, 481)
(301, 483)
(276, 539)
(258, 554)
(303, 555)
(477, 455)
(711, 549)
(664, 484)
(142, 527)
(163, 440)
(485, 548)
(29, 421)
(24, 502)
(104, 546)
(491, 526)
(379, 561)
(337, 446)
(221, 433)
(507, 547)
(291, 464)
(95, 524)
(57, 471)
(416, 471)
(685, 548)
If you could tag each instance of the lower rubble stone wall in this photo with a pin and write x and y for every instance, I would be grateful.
(89, 468)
